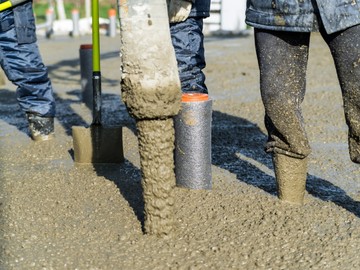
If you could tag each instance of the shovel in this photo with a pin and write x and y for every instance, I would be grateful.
(97, 144)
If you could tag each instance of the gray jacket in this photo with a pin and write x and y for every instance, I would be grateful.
(303, 15)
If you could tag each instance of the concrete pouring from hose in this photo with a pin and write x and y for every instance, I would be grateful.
(151, 91)
(150, 83)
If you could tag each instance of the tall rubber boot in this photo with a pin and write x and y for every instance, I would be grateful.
(41, 128)
(290, 176)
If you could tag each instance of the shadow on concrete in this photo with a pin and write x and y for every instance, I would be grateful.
(10, 111)
(68, 73)
(70, 68)
(114, 112)
(127, 178)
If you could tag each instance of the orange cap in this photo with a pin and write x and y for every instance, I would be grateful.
(112, 12)
(193, 97)
(85, 46)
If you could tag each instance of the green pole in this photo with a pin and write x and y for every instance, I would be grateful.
(96, 78)
(95, 35)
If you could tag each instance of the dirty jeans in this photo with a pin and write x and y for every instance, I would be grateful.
(282, 58)
(188, 41)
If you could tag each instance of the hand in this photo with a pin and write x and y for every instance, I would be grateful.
(179, 10)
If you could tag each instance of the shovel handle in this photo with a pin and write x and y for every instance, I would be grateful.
(96, 63)
(95, 35)
(96, 79)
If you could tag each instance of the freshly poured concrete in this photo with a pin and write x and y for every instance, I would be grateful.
(56, 215)
(156, 147)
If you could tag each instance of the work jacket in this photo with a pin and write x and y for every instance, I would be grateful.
(201, 8)
(22, 18)
(303, 15)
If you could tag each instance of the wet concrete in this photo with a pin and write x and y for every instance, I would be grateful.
(150, 83)
(150, 89)
(56, 215)
(156, 147)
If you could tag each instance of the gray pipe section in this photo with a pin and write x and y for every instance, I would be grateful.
(112, 23)
(193, 145)
(86, 69)
(49, 22)
(75, 19)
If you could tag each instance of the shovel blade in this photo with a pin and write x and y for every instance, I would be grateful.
(97, 144)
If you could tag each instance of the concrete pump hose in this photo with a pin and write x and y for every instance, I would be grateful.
(11, 3)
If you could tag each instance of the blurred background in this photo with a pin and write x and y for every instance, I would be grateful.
(73, 17)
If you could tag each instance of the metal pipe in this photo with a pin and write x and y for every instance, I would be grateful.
(193, 142)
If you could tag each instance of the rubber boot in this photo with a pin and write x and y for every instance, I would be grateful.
(41, 128)
(290, 176)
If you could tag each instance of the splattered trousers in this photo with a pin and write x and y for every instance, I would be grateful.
(282, 58)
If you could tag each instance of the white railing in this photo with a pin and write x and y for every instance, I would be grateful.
(226, 16)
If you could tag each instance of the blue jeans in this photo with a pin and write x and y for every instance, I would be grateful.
(188, 42)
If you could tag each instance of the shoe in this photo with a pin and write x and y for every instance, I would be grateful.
(41, 128)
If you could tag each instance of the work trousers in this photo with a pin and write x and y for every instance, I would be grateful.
(188, 41)
(282, 58)
(21, 61)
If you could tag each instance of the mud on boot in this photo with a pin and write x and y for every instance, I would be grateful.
(290, 176)
(41, 128)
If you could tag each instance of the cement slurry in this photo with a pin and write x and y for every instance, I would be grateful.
(56, 215)
(150, 89)
(156, 146)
